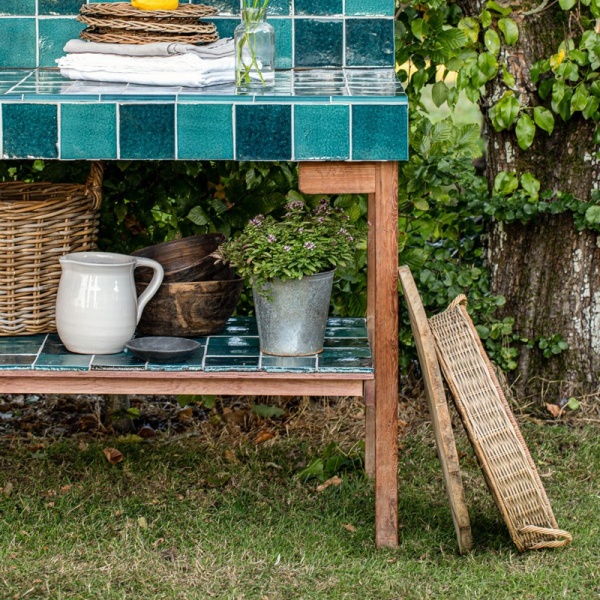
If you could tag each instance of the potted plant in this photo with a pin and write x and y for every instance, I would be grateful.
(290, 263)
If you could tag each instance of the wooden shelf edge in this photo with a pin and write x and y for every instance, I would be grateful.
(182, 382)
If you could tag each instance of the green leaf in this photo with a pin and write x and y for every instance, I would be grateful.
(530, 184)
(507, 77)
(510, 30)
(419, 28)
(198, 216)
(595, 88)
(591, 108)
(504, 113)
(496, 7)
(421, 204)
(544, 119)
(573, 403)
(485, 18)
(488, 65)
(506, 183)
(439, 93)
(470, 27)
(592, 215)
(525, 131)
(567, 4)
(492, 41)
(579, 98)
(267, 412)
(558, 91)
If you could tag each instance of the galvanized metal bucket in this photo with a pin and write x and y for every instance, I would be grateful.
(292, 315)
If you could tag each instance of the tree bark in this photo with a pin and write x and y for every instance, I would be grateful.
(548, 271)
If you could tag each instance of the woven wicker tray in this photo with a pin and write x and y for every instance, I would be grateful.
(115, 36)
(170, 26)
(503, 455)
(124, 10)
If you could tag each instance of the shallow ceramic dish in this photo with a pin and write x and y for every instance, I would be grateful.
(163, 349)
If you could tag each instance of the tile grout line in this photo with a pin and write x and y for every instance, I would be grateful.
(39, 352)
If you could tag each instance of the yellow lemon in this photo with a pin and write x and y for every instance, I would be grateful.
(155, 4)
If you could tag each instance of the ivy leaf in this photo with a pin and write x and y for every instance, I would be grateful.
(198, 217)
(579, 98)
(419, 28)
(492, 41)
(591, 108)
(595, 88)
(267, 412)
(485, 18)
(566, 4)
(507, 77)
(488, 65)
(504, 113)
(531, 185)
(525, 131)
(592, 215)
(503, 10)
(505, 183)
(439, 93)
(470, 27)
(510, 30)
(558, 91)
(544, 119)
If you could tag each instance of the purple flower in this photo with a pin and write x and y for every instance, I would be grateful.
(258, 219)
(271, 238)
(310, 245)
(287, 248)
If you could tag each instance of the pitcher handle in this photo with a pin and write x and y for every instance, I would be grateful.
(152, 287)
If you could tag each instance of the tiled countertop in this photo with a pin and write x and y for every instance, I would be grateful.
(234, 349)
(311, 114)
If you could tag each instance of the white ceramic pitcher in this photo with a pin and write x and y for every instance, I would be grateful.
(97, 308)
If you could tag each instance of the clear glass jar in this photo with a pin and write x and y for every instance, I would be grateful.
(254, 50)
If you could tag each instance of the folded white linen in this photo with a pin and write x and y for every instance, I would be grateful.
(187, 70)
(220, 48)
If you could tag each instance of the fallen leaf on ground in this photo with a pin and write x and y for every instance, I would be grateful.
(113, 456)
(142, 522)
(146, 432)
(349, 527)
(263, 436)
(186, 414)
(553, 409)
(335, 480)
(230, 456)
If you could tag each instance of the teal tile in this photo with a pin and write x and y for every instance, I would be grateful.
(88, 131)
(115, 362)
(345, 364)
(30, 130)
(26, 344)
(291, 364)
(59, 7)
(205, 131)
(17, 7)
(17, 361)
(231, 363)
(263, 131)
(321, 132)
(147, 131)
(77, 362)
(380, 132)
(193, 363)
(345, 353)
(283, 43)
(233, 346)
(382, 8)
(240, 326)
(22, 49)
(280, 7)
(53, 35)
(225, 7)
(225, 26)
(370, 42)
(351, 331)
(318, 7)
(358, 343)
(357, 322)
(318, 43)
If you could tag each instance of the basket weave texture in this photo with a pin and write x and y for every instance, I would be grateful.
(39, 223)
(503, 455)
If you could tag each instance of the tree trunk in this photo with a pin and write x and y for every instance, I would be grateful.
(546, 269)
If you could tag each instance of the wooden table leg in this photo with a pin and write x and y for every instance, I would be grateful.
(380, 182)
(383, 325)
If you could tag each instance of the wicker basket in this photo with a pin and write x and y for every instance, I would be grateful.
(40, 222)
(507, 465)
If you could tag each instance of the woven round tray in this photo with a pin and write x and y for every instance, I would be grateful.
(124, 9)
(116, 36)
(167, 26)
(503, 455)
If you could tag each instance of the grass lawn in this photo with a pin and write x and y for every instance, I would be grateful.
(195, 516)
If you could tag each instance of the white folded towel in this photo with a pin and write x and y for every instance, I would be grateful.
(189, 70)
(219, 49)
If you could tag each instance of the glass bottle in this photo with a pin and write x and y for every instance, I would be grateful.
(254, 50)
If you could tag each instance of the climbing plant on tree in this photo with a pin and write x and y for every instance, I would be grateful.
(534, 70)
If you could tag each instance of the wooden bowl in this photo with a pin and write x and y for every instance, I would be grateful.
(186, 259)
(189, 308)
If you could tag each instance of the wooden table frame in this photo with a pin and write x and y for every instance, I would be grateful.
(380, 390)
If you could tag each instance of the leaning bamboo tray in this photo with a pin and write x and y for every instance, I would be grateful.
(40, 222)
(503, 455)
